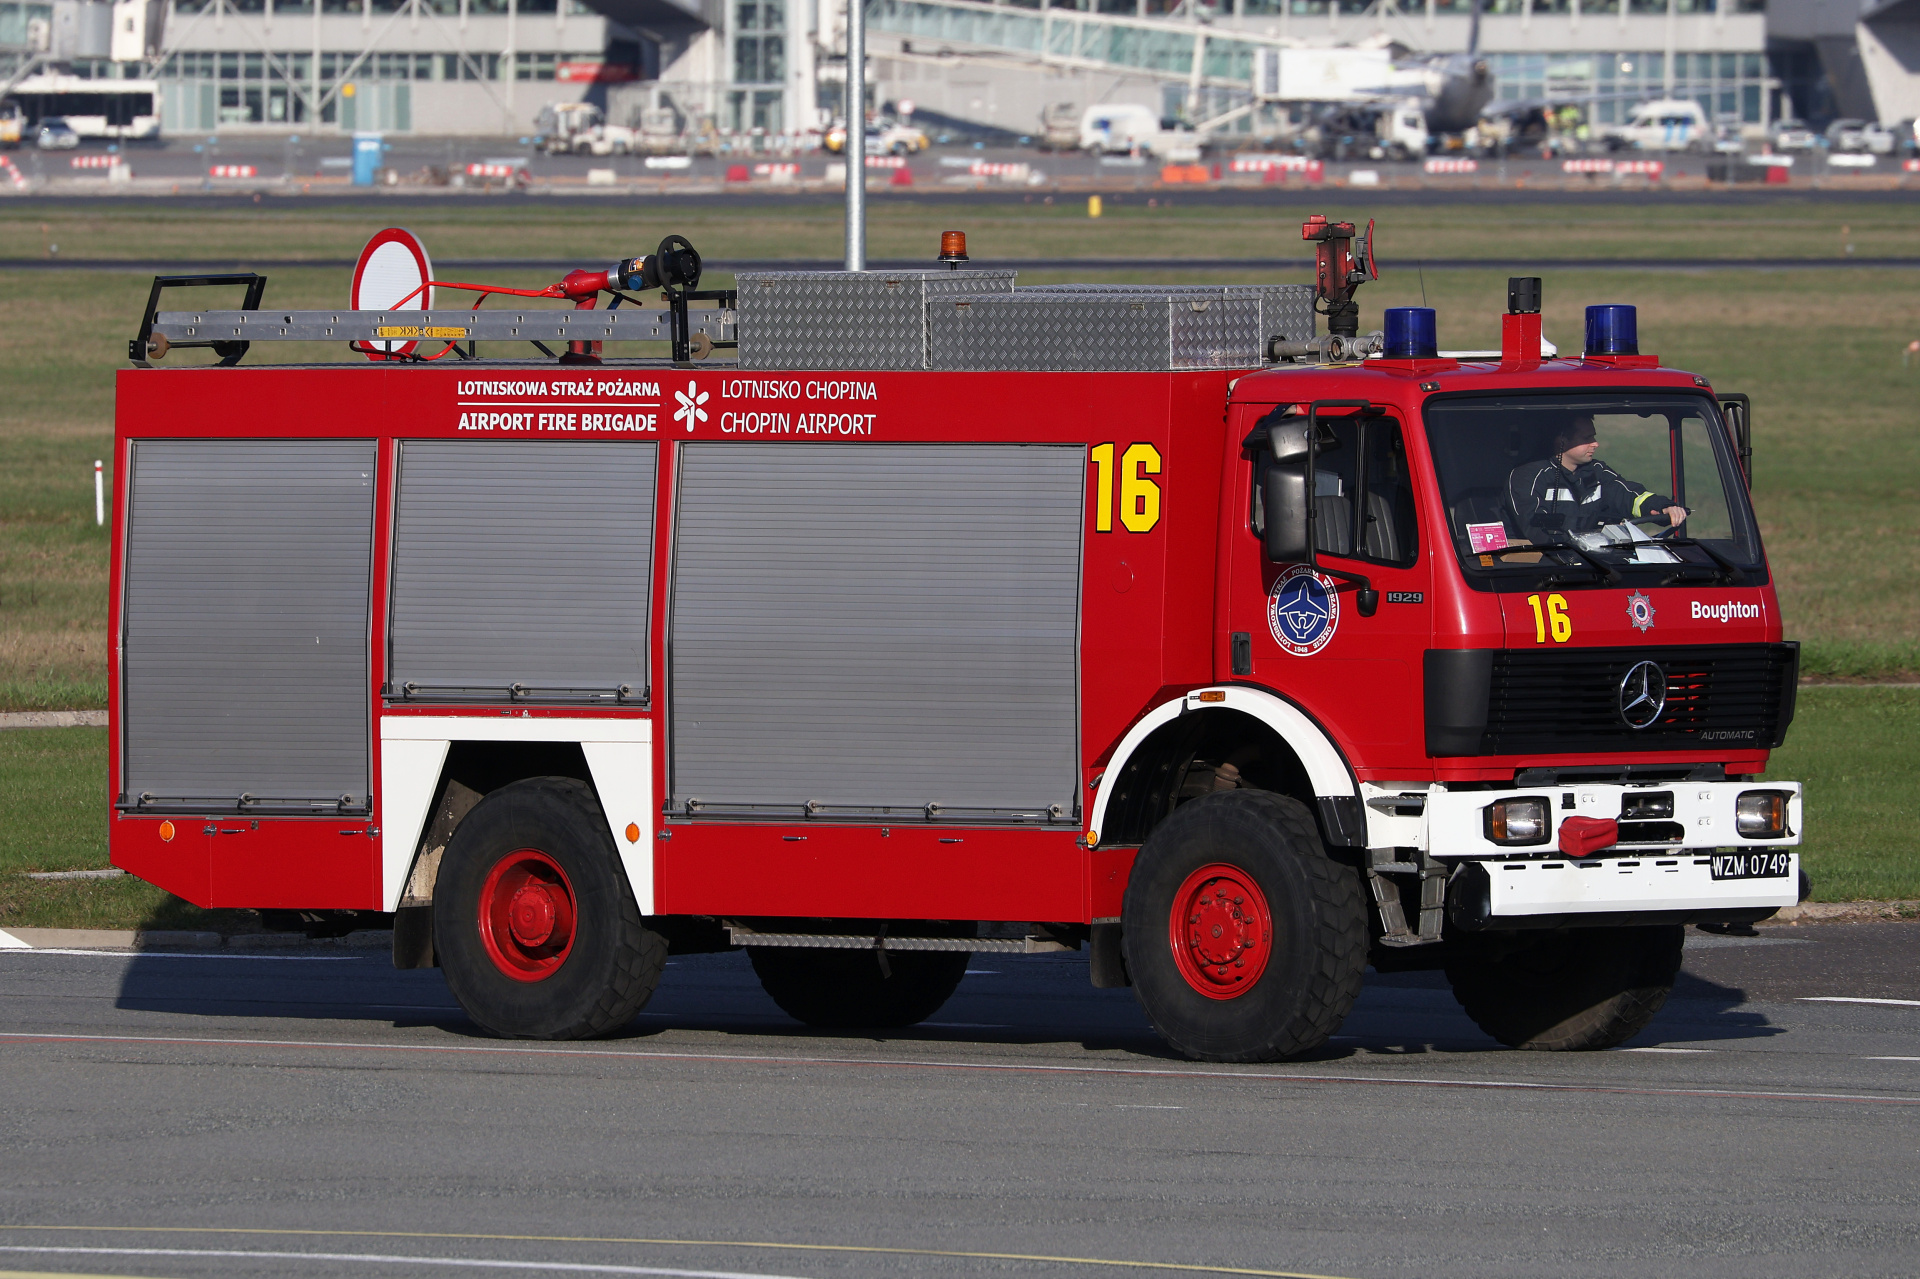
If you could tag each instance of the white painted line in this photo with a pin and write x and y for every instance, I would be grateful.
(9, 942)
(1890, 1059)
(578, 1267)
(1119, 1107)
(24, 949)
(1858, 999)
(1663, 1050)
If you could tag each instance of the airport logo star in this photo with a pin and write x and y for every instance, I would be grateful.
(690, 400)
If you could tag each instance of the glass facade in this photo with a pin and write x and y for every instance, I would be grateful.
(759, 42)
(1728, 86)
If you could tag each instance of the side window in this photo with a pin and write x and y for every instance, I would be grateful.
(1387, 531)
(1362, 493)
(1335, 487)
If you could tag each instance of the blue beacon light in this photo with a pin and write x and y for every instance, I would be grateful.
(1410, 333)
(1613, 330)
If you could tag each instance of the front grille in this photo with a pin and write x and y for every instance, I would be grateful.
(1719, 697)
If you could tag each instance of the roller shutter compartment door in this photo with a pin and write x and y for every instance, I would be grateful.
(874, 628)
(245, 625)
(521, 571)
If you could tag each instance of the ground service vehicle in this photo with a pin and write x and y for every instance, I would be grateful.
(1667, 125)
(946, 617)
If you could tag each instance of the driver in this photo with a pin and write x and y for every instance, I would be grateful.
(1571, 493)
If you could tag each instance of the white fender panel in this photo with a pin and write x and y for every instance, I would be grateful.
(409, 771)
(623, 774)
(1326, 769)
(413, 749)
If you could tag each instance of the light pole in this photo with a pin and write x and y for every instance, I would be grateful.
(856, 148)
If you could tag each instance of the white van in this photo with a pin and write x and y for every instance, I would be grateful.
(1672, 124)
(1123, 128)
(1118, 128)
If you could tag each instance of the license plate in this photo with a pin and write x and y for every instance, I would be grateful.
(1758, 865)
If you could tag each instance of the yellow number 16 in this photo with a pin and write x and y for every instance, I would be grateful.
(1139, 496)
(1553, 618)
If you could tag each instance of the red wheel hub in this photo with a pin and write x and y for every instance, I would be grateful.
(1221, 931)
(527, 915)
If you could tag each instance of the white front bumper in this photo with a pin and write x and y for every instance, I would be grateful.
(1592, 885)
(1540, 880)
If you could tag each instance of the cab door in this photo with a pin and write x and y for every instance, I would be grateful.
(1306, 631)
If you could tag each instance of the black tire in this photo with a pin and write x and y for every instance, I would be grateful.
(1582, 989)
(1316, 948)
(845, 989)
(613, 962)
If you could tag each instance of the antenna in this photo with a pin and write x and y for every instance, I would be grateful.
(1423, 284)
(1473, 30)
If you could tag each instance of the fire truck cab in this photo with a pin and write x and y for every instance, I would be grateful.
(947, 617)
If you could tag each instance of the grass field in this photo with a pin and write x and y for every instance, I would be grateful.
(1857, 750)
(1176, 226)
(1837, 476)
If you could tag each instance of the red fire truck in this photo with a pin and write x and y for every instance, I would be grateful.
(943, 616)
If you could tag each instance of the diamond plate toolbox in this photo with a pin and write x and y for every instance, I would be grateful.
(847, 319)
(1082, 329)
(1286, 310)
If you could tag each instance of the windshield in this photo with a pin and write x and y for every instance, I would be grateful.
(1640, 487)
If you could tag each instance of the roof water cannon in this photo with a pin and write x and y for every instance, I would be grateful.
(674, 267)
(1343, 261)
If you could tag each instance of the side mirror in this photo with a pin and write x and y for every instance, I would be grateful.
(1738, 410)
(1286, 503)
(1287, 440)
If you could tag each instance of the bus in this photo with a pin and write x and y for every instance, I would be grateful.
(121, 110)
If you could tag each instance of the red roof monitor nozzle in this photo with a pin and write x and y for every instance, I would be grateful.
(1340, 266)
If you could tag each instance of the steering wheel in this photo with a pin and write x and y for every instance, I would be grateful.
(1659, 520)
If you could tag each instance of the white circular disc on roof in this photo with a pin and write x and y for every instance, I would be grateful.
(388, 277)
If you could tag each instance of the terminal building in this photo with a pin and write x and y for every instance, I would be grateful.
(763, 71)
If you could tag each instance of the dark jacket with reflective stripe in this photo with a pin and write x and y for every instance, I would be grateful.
(1550, 502)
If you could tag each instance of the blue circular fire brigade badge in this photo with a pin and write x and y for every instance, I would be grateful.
(1303, 611)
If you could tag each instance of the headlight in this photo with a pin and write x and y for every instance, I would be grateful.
(1516, 822)
(1761, 814)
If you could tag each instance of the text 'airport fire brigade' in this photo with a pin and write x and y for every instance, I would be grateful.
(940, 616)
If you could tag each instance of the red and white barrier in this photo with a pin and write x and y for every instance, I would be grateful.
(492, 170)
(233, 171)
(94, 161)
(1267, 163)
(886, 162)
(1641, 168)
(1911, 166)
(1453, 166)
(776, 172)
(19, 179)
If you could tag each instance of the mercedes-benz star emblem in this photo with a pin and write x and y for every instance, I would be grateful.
(1643, 695)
